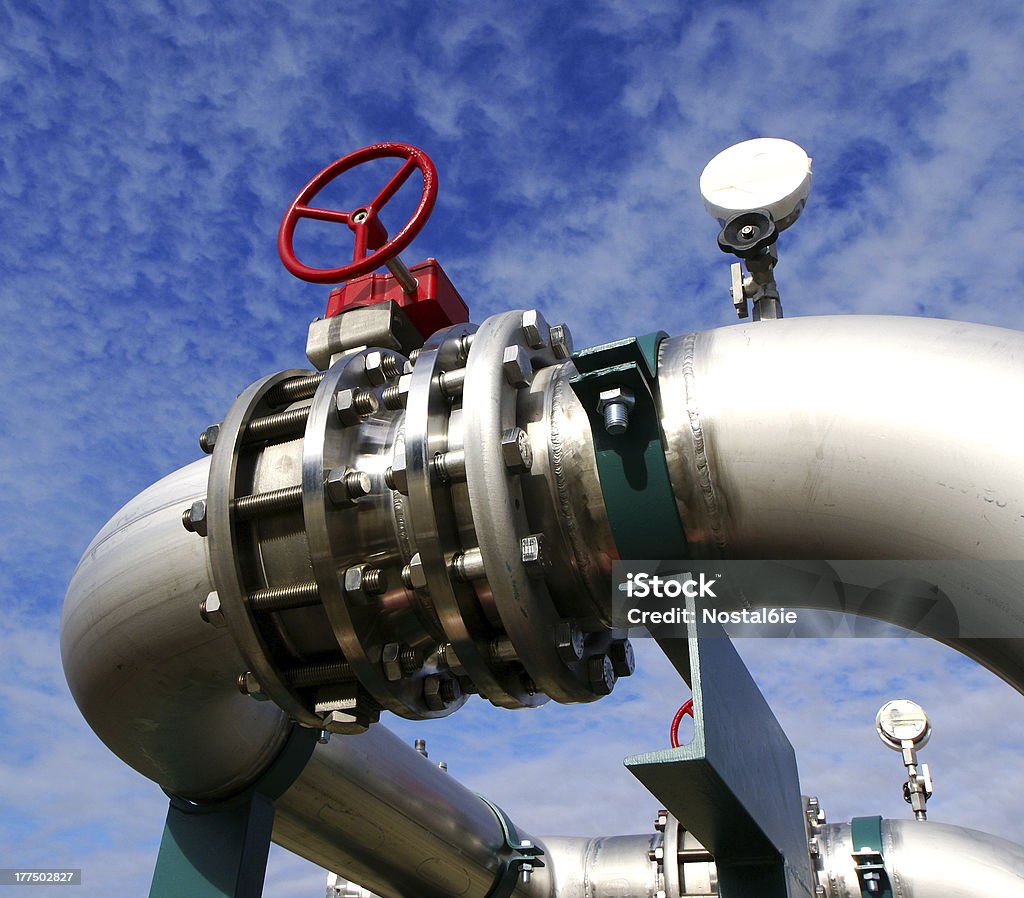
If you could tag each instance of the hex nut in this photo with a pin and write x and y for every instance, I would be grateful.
(432, 693)
(601, 674)
(364, 581)
(353, 405)
(535, 329)
(208, 438)
(194, 518)
(249, 685)
(404, 383)
(570, 641)
(618, 395)
(515, 362)
(399, 479)
(351, 722)
(374, 368)
(516, 450)
(561, 341)
(413, 575)
(532, 554)
(623, 660)
(211, 610)
(344, 486)
(391, 659)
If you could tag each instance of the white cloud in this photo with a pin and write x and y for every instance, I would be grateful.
(145, 159)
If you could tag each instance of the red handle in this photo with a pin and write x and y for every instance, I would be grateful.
(364, 221)
(673, 732)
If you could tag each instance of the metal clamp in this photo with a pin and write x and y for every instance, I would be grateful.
(523, 856)
(630, 458)
(868, 859)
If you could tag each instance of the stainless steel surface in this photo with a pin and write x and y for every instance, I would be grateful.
(521, 598)
(380, 813)
(809, 438)
(668, 865)
(847, 437)
(155, 682)
(926, 860)
(401, 273)
(853, 437)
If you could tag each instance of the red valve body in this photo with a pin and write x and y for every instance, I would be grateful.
(434, 304)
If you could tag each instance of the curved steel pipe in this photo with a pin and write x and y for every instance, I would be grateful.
(855, 437)
(157, 685)
(926, 860)
(154, 681)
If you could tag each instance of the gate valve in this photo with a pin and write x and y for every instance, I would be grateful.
(424, 293)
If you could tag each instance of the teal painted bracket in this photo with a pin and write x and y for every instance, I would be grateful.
(519, 855)
(631, 466)
(736, 785)
(219, 850)
(868, 858)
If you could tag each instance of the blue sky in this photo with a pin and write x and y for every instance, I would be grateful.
(147, 152)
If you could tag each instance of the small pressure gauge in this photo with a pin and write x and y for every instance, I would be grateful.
(766, 173)
(902, 721)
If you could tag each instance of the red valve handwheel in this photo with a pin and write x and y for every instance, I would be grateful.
(363, 221)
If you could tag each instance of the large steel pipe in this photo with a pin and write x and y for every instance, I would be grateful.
(154, 681)
(925, 860)
(854, 437)
(377, 811)
(157, 685)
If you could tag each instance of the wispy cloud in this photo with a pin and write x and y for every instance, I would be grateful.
(147, 151)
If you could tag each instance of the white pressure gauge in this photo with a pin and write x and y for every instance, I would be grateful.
(902, 720)
(766, 173)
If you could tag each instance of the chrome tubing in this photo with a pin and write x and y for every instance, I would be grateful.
(925, 860)
(854, 437)
(375, 810)
(154, 681)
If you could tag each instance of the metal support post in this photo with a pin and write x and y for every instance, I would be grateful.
(220, 849)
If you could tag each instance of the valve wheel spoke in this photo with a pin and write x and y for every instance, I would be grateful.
(392, 187)
(323, 214)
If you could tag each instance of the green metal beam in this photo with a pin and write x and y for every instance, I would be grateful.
(220, 849)
(631, 466)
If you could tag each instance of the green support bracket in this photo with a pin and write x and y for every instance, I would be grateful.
(736, 785)
(220, 849)
(517, 857)
(868, 858)
(631, 466)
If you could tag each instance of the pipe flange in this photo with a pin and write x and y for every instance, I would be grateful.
(432, 410)
(233, 545)
(366, 618)
(512, 556)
